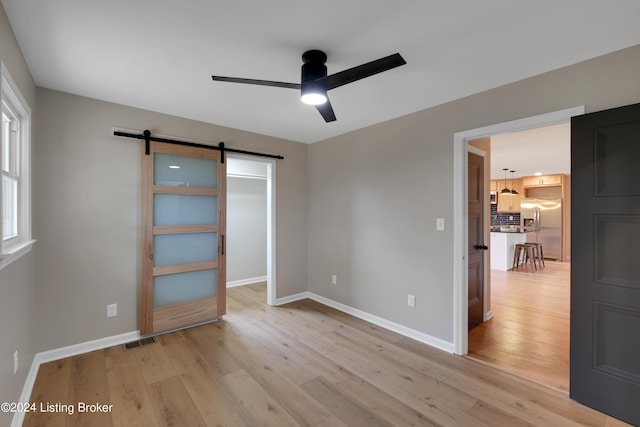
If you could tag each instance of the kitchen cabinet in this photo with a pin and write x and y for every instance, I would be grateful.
(542, 180)
(510, 203)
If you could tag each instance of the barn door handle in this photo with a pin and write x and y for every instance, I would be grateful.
(483, 247)
(222, 249)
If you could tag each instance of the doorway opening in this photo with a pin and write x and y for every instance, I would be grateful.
(461, 237)
(251, 250)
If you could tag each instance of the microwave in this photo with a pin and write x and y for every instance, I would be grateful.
(493, 197)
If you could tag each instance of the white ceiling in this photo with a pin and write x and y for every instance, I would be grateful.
(160, 54)
(546, 150)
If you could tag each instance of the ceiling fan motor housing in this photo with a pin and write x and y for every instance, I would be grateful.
(313, 67)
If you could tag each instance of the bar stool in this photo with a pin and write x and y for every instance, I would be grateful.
(526, 251)
(539, 253)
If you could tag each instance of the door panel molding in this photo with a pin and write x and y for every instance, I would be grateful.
(184, 268)
(177, 316)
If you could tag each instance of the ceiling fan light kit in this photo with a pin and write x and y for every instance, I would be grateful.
(313, 93)
(315, 83)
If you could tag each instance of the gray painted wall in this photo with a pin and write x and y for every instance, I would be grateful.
(375, 194)
(88, 212)
(17, 281)
(246, 228)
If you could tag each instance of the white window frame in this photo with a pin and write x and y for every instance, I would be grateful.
(11, 97)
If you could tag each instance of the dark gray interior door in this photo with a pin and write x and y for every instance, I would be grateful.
(605, 265)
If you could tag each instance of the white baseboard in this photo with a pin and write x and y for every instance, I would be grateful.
(248, 281)
(488, 315)
(86, 347)
(292, 298)
(61, 353)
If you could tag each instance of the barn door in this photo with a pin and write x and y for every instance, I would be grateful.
(183, 237)
(605, 267)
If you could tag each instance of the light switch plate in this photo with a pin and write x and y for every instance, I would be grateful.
(440, 224)
(112, 310)
(411, 300)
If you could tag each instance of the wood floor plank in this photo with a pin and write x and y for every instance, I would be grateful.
(132, 404)
(256, 401)
(535, 410)
(173, 404)
(88, 385)
(349, 410)
(277, 363)
(215, 402)
(289, 356)
(202, 382)
(494, 416)
(154, 363)
(346, 319)
(437, 401)
(51, 387)
(381, 403)
(294, 400)
(210, 344)
(359, 335)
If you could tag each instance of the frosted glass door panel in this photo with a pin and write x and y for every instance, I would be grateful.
(184, 171)
(172, 249)
(184, 287)
(174, 209)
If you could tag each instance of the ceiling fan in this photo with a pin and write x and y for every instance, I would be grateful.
(315, 83)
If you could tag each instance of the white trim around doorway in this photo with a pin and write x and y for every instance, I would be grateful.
(460, 226)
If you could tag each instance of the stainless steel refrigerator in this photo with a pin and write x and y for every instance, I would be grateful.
(543, 217)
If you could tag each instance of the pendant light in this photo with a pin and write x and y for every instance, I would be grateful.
(505, 191)
(513, 190)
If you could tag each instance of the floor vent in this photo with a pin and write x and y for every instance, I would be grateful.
(139, 343)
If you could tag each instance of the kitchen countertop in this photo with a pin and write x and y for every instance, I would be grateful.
(510, 229)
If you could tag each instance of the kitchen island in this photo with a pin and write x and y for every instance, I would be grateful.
(503, 244)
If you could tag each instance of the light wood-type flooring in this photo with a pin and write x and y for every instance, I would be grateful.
(301, 364)
(529, 332)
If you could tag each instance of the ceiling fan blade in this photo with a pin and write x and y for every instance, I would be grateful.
(256, 82)
(362, 71)
(326, 111)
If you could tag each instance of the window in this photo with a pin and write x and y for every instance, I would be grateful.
(14, 157)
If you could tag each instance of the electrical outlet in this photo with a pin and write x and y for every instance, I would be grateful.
(15, 362)
(411, 300)
(334, 280)
(112, 310)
